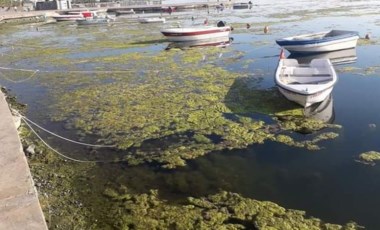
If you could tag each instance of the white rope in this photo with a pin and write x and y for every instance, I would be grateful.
(64, 138)
(47, 145)
(68, 71)
(26, 70)
(77, 71)
(23, 80)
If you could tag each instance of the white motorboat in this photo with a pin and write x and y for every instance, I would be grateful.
(93, 21)
(305, 84)
(73, 16)
(98, 18)
(124, 12)
(196, 33)
(151, 20)
(240, 5)
(320, 42)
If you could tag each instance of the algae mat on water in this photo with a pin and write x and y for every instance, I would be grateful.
(82, 196)
(170, 107)
(160, 106)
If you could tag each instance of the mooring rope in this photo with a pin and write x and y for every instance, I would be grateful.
(19, 81)
(26, 120)
(69, 71)
(66, 139)
(54, 150)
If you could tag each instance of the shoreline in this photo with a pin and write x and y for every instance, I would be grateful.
(19, 203)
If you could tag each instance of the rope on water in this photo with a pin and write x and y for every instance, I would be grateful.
(26, 121)
(54, 150)
(56, 135)
(19, 81)
(77, 71)
(26, 70)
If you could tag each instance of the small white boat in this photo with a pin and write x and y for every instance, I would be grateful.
(320, 42)
(93, 21)
(73, 16)
(305, 84)
(196, 33)
(69, 17)
(151, 20)
(124, 12)
(339, 57)
(240, 6)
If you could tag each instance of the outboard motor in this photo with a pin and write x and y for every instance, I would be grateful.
(221, 24)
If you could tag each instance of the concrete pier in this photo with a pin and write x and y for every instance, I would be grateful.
(19, 205)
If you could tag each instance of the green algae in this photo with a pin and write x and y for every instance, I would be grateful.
(364, 42)
(368, 71)
(70, 201)
(133, 110)
(185, 99)
(54, 178)
(308, 144)
(12, 100)
(302, 124)
(369, 157)
(224, 210)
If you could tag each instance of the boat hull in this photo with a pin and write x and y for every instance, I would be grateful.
(305, 44)
(66, 19)
(182, 35)
(305, 99)
(152, 20)
(305, 84)
(92, 22)
(348, 43)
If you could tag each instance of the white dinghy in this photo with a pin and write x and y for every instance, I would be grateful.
(305, 84)
(320, 42)
(152, 20)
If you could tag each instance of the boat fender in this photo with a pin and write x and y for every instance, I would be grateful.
(221, 24)
(266, 29)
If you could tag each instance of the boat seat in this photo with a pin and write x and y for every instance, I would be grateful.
(304, 72)
(308, 75)
(308, 83)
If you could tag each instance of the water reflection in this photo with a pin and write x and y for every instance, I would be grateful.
(339, 57)
(323, 110)
(217, 42)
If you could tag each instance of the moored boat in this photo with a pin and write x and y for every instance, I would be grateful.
(152, 20)
(320, 42)
(93, 21)
(305, 84)
(196, 33)
(240, 5)
(73, 16)
(124, 12)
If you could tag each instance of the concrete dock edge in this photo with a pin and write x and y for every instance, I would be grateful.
(19, 204)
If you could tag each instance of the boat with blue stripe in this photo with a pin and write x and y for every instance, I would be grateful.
(326, 41)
